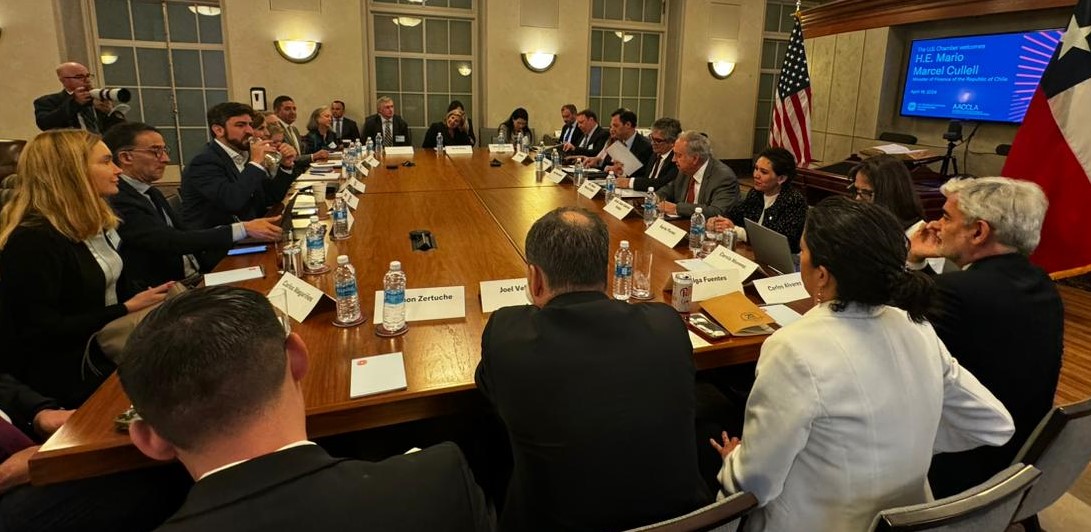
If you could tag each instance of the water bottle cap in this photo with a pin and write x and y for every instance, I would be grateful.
(395, 266)
(314, 219)
(697, 210)
(651, 189)
(342, 259)
(624, 244)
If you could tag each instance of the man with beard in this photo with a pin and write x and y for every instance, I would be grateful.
(227, 182)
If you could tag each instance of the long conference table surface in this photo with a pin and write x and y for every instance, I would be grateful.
(479, 216)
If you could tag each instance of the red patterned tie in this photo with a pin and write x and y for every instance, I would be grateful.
(690, 190)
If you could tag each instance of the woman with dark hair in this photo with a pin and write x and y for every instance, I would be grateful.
(450, 129)
(518, 122)
(851, 401)
(467, 123)
(884, 180)
(773, 202)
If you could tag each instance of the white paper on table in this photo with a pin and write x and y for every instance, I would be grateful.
(330, 176)
(399, 150)
(781, 289)
(504, 293)
(332, 163)
(784, 315)
(618, 208)
(589, 189)
(458, 150)
(422, 304)
(303, 200)
(620, 153)
(377, 374)
(234, 276)
(892, 149)
(697, 341)
(630, 193)
(501, 148)
(666, 233)
(694, 265)
(724, 258)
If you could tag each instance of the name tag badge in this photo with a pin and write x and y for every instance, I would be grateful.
(399, 138)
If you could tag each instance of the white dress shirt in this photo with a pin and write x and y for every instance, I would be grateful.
(224, 467)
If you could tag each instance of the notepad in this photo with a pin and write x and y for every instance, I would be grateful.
(377, 374)
(234, 276)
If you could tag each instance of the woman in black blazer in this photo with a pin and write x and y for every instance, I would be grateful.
(60, 274)
(451, 129)
(773, 202)
(320, 135)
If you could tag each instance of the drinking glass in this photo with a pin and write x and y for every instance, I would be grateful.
(642, 274)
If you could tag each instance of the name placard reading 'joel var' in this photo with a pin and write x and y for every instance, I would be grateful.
(666, 233)
(301, 296)
(505, 293)
(618, 208)
(781, 289)
(423, 304)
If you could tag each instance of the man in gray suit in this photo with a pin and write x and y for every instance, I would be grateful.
(703, 180)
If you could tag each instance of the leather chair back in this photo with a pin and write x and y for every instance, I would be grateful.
(9, 156)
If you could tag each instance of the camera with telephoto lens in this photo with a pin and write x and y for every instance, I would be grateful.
(112, 95)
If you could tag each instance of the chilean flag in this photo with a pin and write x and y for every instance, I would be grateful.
(1053, 148)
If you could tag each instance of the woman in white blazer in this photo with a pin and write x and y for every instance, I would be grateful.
(851, 401)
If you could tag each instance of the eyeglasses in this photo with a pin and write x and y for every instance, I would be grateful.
(862, 193)
(81, 77)
(658, 141)
(157, 151)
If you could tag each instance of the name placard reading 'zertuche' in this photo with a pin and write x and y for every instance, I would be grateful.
(505, 293)
(781, 289)
(423, 304)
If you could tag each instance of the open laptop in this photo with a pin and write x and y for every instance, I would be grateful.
(771, 250)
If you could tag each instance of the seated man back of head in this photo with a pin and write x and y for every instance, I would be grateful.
(597, 395)
(228, 403)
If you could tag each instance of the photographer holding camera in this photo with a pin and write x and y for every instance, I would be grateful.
(78, 105)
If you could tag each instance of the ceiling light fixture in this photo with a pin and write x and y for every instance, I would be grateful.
(298, 51)
(538, 61)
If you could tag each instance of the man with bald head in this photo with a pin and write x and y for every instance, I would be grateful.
(73, 107)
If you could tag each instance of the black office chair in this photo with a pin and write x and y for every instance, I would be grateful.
(989, 507)
(720, 516)
(900, 138)
(1059, 448)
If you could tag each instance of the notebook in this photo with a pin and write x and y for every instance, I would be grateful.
(377, 374)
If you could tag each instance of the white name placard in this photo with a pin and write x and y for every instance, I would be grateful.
(709, 284)
(557, 176)
(399, 151)
(505, 293)
(501, 148)
(781, 289)
(362, 169)
(423, 304)
(357, 185)
(618, 208)
(589, 189)
(352, 220)
(302, 296)
(519, 157)
(547, 165)
(459, 150)
(371, 161)
(666, 233)
(351, 200)
(722, 258)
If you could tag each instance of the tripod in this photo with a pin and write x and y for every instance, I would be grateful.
(949, 159)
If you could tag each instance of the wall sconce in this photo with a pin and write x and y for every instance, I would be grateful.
(108, 58)
(407, 22)
(464, 70)
(624, 36)
(208, 11)
(721, 69)
(538, 61)
(298, 51)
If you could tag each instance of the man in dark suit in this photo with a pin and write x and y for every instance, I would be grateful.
(74, 107)
(659, 169)
(155, 245)
(703, 181)
(592, 136)
(228, 182)
(574, 371)
(1001, 316)
(229, 404)
(285, 110)
(623, 130)
(391, 127)
(343, 126)
(570, 132)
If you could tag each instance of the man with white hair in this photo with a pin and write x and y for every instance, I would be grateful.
(1001, 316)
(73, 106)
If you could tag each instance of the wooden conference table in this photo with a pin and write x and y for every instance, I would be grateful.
(479, 216)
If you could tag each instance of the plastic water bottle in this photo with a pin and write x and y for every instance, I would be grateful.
(611, 186)
(394, 298)
(502, 134)
(696, 231)
(519, 141)
(370, 148)
(378, 145)
(348, 299)
(316, 246)
(623, 272)
(439, 142)
(539, 161)
(340, 216)
(651, 209)
(578, 174)
(348, 162)
(556, 158)
(526, 143)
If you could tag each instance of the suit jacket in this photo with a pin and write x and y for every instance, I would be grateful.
(21, 403)
(373, 125)
(577, 135)
(151, 249)
(460, 138)
(60, 110)
(349, 130)
(843, 417)
(719, 191)
(314, 141)
(595, 144)
(1003, 319)
(60, 293)
(303, 488)
(642, 150)
(786, 215)
(666, 174)
(566, 380)
(214, 191)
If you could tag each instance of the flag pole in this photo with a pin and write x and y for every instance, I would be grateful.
(798, 8)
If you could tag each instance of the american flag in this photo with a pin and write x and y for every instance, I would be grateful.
(791, 128)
